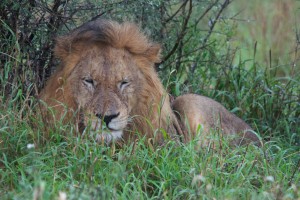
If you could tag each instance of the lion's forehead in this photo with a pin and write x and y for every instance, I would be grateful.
(108, 64)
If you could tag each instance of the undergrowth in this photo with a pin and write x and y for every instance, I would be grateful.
(39, 162)
(36, 164)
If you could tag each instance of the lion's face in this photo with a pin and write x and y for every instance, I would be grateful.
(105, 84)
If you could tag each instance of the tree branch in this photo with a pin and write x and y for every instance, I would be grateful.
(214, 22)
(181, 35)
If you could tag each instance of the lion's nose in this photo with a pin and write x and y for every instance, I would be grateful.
(107, 118)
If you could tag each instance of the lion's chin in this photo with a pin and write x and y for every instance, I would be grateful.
(108, 137)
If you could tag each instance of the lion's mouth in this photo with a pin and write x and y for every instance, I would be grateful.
(102, 132)
(108, 137)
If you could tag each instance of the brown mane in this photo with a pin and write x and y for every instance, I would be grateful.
(125, 35)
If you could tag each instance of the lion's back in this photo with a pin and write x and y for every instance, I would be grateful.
(204, 111)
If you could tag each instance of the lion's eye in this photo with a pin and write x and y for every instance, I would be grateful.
(88, 82)
(123, 84)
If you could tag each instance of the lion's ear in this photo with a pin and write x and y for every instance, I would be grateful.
(154, 53)
(62, 47)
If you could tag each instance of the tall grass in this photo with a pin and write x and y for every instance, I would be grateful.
(83, 169)
(42, 162)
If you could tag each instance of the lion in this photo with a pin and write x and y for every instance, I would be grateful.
(107, 85)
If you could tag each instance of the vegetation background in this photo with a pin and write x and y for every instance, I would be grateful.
(244, 54)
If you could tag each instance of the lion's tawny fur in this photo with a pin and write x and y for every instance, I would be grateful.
(203, 115)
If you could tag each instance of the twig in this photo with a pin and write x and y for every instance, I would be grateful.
(205, 12)
(181, 35)
(174, 14)
(214, 22)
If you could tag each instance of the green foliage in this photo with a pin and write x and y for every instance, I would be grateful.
(200, 55)
(83, 169)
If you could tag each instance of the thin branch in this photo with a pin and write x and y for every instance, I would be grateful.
(205, 12)
(174, 14)
(214, 22)
(181, 35)
(189, 53)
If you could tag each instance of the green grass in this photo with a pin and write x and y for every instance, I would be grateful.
(62, 162)
(84, 169)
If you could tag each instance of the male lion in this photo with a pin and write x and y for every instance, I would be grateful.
(109, 86)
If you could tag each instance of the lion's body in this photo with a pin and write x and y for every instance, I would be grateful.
(107, 77)
(203, 116)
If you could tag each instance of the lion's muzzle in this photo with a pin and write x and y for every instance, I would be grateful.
(108, 127)
(107, 119)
